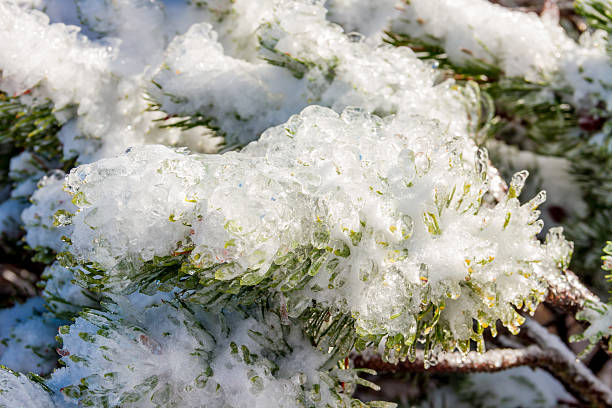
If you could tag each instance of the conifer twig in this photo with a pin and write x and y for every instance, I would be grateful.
(569, 294)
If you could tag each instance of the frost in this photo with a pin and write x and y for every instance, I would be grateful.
(380, 219)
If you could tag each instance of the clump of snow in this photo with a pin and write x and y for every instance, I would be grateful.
(98, 82)
(63, 64)
(379, 218)
(520, 44)
(236, 22)
(599, 315)
(368, 18)
(24, 173)
(10, 213)
(197, 78)
(478, 29)
(305, 59)
(27, 338)
(522, 387)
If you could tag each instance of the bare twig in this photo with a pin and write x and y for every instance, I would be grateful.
(569, 294)
(548, 353)
(490, 361)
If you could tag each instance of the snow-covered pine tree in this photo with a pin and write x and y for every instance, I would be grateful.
(282, 202)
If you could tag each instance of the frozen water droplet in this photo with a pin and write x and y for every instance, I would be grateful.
(355, 37)
(537, 200)
(407, 226)
(482, 162)
(517, 183)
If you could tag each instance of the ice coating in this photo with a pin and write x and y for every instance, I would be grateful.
(17, 390)
(378, 218)
(172, 356)
(62, 297)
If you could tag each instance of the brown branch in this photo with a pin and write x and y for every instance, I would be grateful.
(548, 353)
(569, 294)
(473, 362)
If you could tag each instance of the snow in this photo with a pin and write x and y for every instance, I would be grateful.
(521, 44)
(373, 217)
(27, 337)
(16, 390)
(167, 354)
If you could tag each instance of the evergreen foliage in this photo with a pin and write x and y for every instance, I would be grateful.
(234, 201)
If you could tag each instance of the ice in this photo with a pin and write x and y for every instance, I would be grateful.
(373, 217)
(17, 390)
